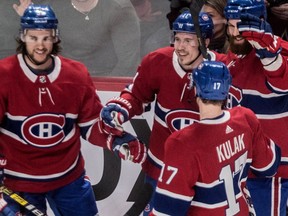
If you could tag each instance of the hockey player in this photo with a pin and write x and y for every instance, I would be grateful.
(257, 60)
(206, 164)
(47, 102)
(162, 75)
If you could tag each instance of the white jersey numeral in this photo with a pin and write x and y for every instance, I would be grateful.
(227, 176)
(173, 171)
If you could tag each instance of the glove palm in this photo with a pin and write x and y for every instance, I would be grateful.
(259, 34)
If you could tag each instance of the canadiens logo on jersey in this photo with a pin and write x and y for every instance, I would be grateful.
(178, 119)
(235, 97)
(43, 130)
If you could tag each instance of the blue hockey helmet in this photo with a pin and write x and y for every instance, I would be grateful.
(184, 23)
(234, 8)
(39, 17)
(212, 80)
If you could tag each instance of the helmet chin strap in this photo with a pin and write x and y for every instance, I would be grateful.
(199, 53)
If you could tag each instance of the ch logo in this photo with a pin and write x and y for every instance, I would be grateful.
(178, 119)
(235, 97)
(43, 130)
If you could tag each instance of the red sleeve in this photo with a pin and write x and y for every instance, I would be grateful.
(278, 79)
(175, 176)
(89, 116)
(145, 86)
(266, 154)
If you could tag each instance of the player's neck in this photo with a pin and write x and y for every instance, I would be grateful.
(209, 111)
(45, 65)
(193, 64)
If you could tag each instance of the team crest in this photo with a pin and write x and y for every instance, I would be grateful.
(43, 130)
(234, 98)
(178, 119)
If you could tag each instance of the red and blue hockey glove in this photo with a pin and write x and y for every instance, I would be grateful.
(259, 34)
(3, 162)
(4, 208)
(3, 204)
(127, 147)
(114, 114)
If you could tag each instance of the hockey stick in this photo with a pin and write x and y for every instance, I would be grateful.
(194, 10)
(20, 200)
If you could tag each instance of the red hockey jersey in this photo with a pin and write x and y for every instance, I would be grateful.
(265, 93)
(160, 77)
(206, 165)
(42, 118)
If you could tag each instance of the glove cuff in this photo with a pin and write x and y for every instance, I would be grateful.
(125, 104)
(272, 64)
(3, 203)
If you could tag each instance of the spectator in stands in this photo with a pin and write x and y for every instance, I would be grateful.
(154, 32)
(277, 16)
(176, 8)
(103, 34)
(215, 8)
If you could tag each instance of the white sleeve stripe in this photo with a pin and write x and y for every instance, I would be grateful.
(174, 195)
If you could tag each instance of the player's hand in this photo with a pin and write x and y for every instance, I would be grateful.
(3, 162)
(127, 147)
(23, 4)
(113, 115)
(3, 203)
(4, 208)
(259, 34)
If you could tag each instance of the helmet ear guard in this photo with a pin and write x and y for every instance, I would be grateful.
(212, 80)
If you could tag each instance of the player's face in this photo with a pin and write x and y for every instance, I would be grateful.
(39, 44)
(233, 31)
(238, 44)
(218, 20)
(186, 48)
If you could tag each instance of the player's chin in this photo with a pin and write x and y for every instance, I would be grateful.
(238, 39)
(184, 62)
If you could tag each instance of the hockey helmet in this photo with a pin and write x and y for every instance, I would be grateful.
(212, 80)
(184, 23)
(39, 17)
(234, 8)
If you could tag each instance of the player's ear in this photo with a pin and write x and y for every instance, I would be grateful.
(22, 36)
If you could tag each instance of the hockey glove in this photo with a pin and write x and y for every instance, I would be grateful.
(259, 34)
(3, 162)
(3, 203)
(114, 114)
(127, 147)
(4, 208)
